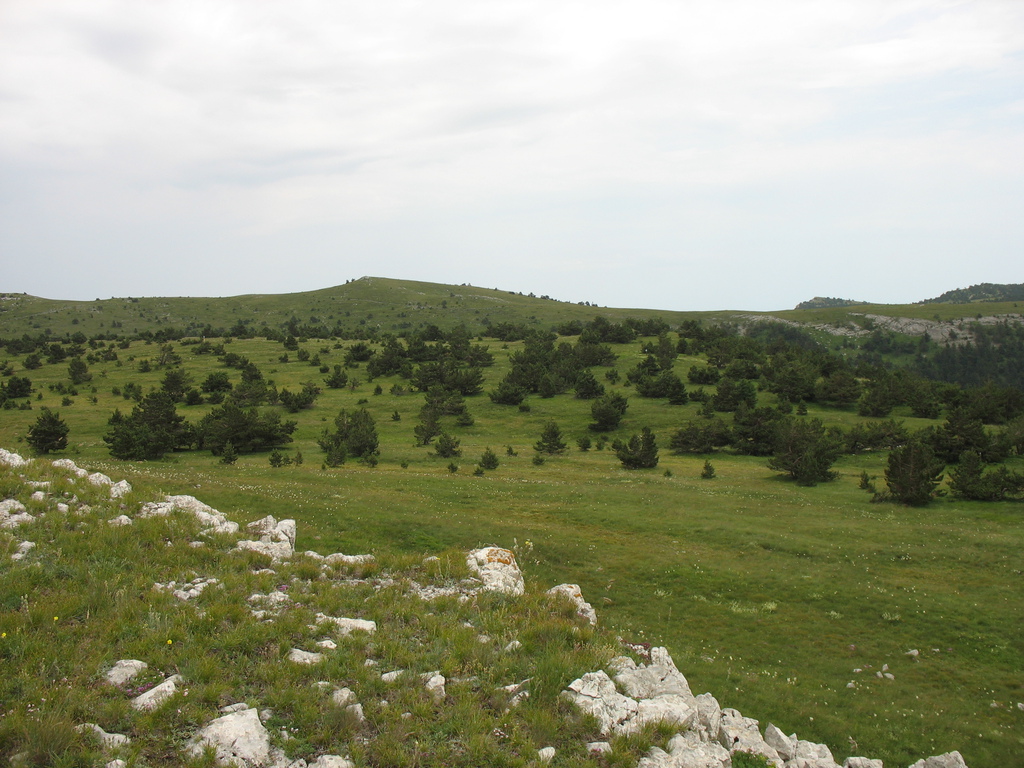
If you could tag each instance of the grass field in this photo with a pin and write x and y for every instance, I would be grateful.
(768, 594)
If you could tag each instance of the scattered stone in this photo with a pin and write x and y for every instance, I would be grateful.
(497, 569)
(913, 653)
(238, 739)
(328, 645)
(156, 696)
(435, 685)
(63, 508)
(116, 764)
(949, 760)
(98, 478)
(107, 740)
(546, 754)
(888, 675)
(124, 671)
(120, 520)
(599, 747)
(276, 539)
(356, 710)
(11, 459)
(206, 515)
(575, 596)
(390, 677)
(331, 761)
(120, 488)
(188, 590)
(345, 627)
(687, 750)
(234, 708)
(343, 697)
(861, 762)
(515, 645)
(38, 496)
(299, 656)
(13, 514)
(71, 467)
(23, 549)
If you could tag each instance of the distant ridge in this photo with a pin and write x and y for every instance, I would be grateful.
(823, 302)
(980, 292)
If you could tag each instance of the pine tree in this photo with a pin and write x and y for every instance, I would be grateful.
(49, 433)
(912, 474)
(489, 459)
(641, 452)
(447, 446)
(550, 440)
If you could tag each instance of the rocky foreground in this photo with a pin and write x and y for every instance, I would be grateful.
(633, 691)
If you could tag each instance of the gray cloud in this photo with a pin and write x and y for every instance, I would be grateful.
(685, 156)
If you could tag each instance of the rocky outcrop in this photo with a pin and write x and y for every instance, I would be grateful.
(572, 593)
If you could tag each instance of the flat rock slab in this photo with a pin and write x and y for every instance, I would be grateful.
(157, 695)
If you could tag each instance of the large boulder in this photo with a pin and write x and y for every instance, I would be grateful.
(205, 514)
(497, 569)
(11, 459)
(615, 713)
(742, 734)
(647, 681)
(687, 750)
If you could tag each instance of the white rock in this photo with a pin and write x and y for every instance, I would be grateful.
(23, 549)
(709, 716)
(914, 653)
(120, 520)
(343, 697)
(124, 671)
(435, 686)
(949, 760)
(687, 750)
(299, 656)
(497, 569)
(234, 708)
(818, 754)
(390, 677)
(646, 681)
(332, 761)
(63, 508)
(780, 742)
(861, 762)
(546, 754)
(598, 747)
(345, 627)
(737, 732)
(107, 740)
(276, 539)
(575, 596)
(515, 645)
(338, 557)
(328, 645)
(238, 739)
(116, 764)
(71, 467)
(120, 488)
(38, 496)
(98, 478)
(356, 710)
(206, 515)
(11, 459)
(13, 514)
(156, 696)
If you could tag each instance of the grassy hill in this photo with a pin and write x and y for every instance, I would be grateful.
(767, 593)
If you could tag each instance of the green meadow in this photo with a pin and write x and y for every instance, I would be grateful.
(767, 594)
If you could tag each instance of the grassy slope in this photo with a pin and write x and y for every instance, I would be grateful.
(767, 594)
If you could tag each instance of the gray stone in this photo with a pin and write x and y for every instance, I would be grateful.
(780, 742)
(124, 670)
(862, 762)
(107, 740)
(299, 656)
(70, 466)
(238, 739)
(949, 760)
(119, 489)
(546, 754)
(345, 627)
(98, 478)
(157, 695)
(332, 761)
(23, 549)
(276, 539)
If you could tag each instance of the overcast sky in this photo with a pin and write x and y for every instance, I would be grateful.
(728, 154)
